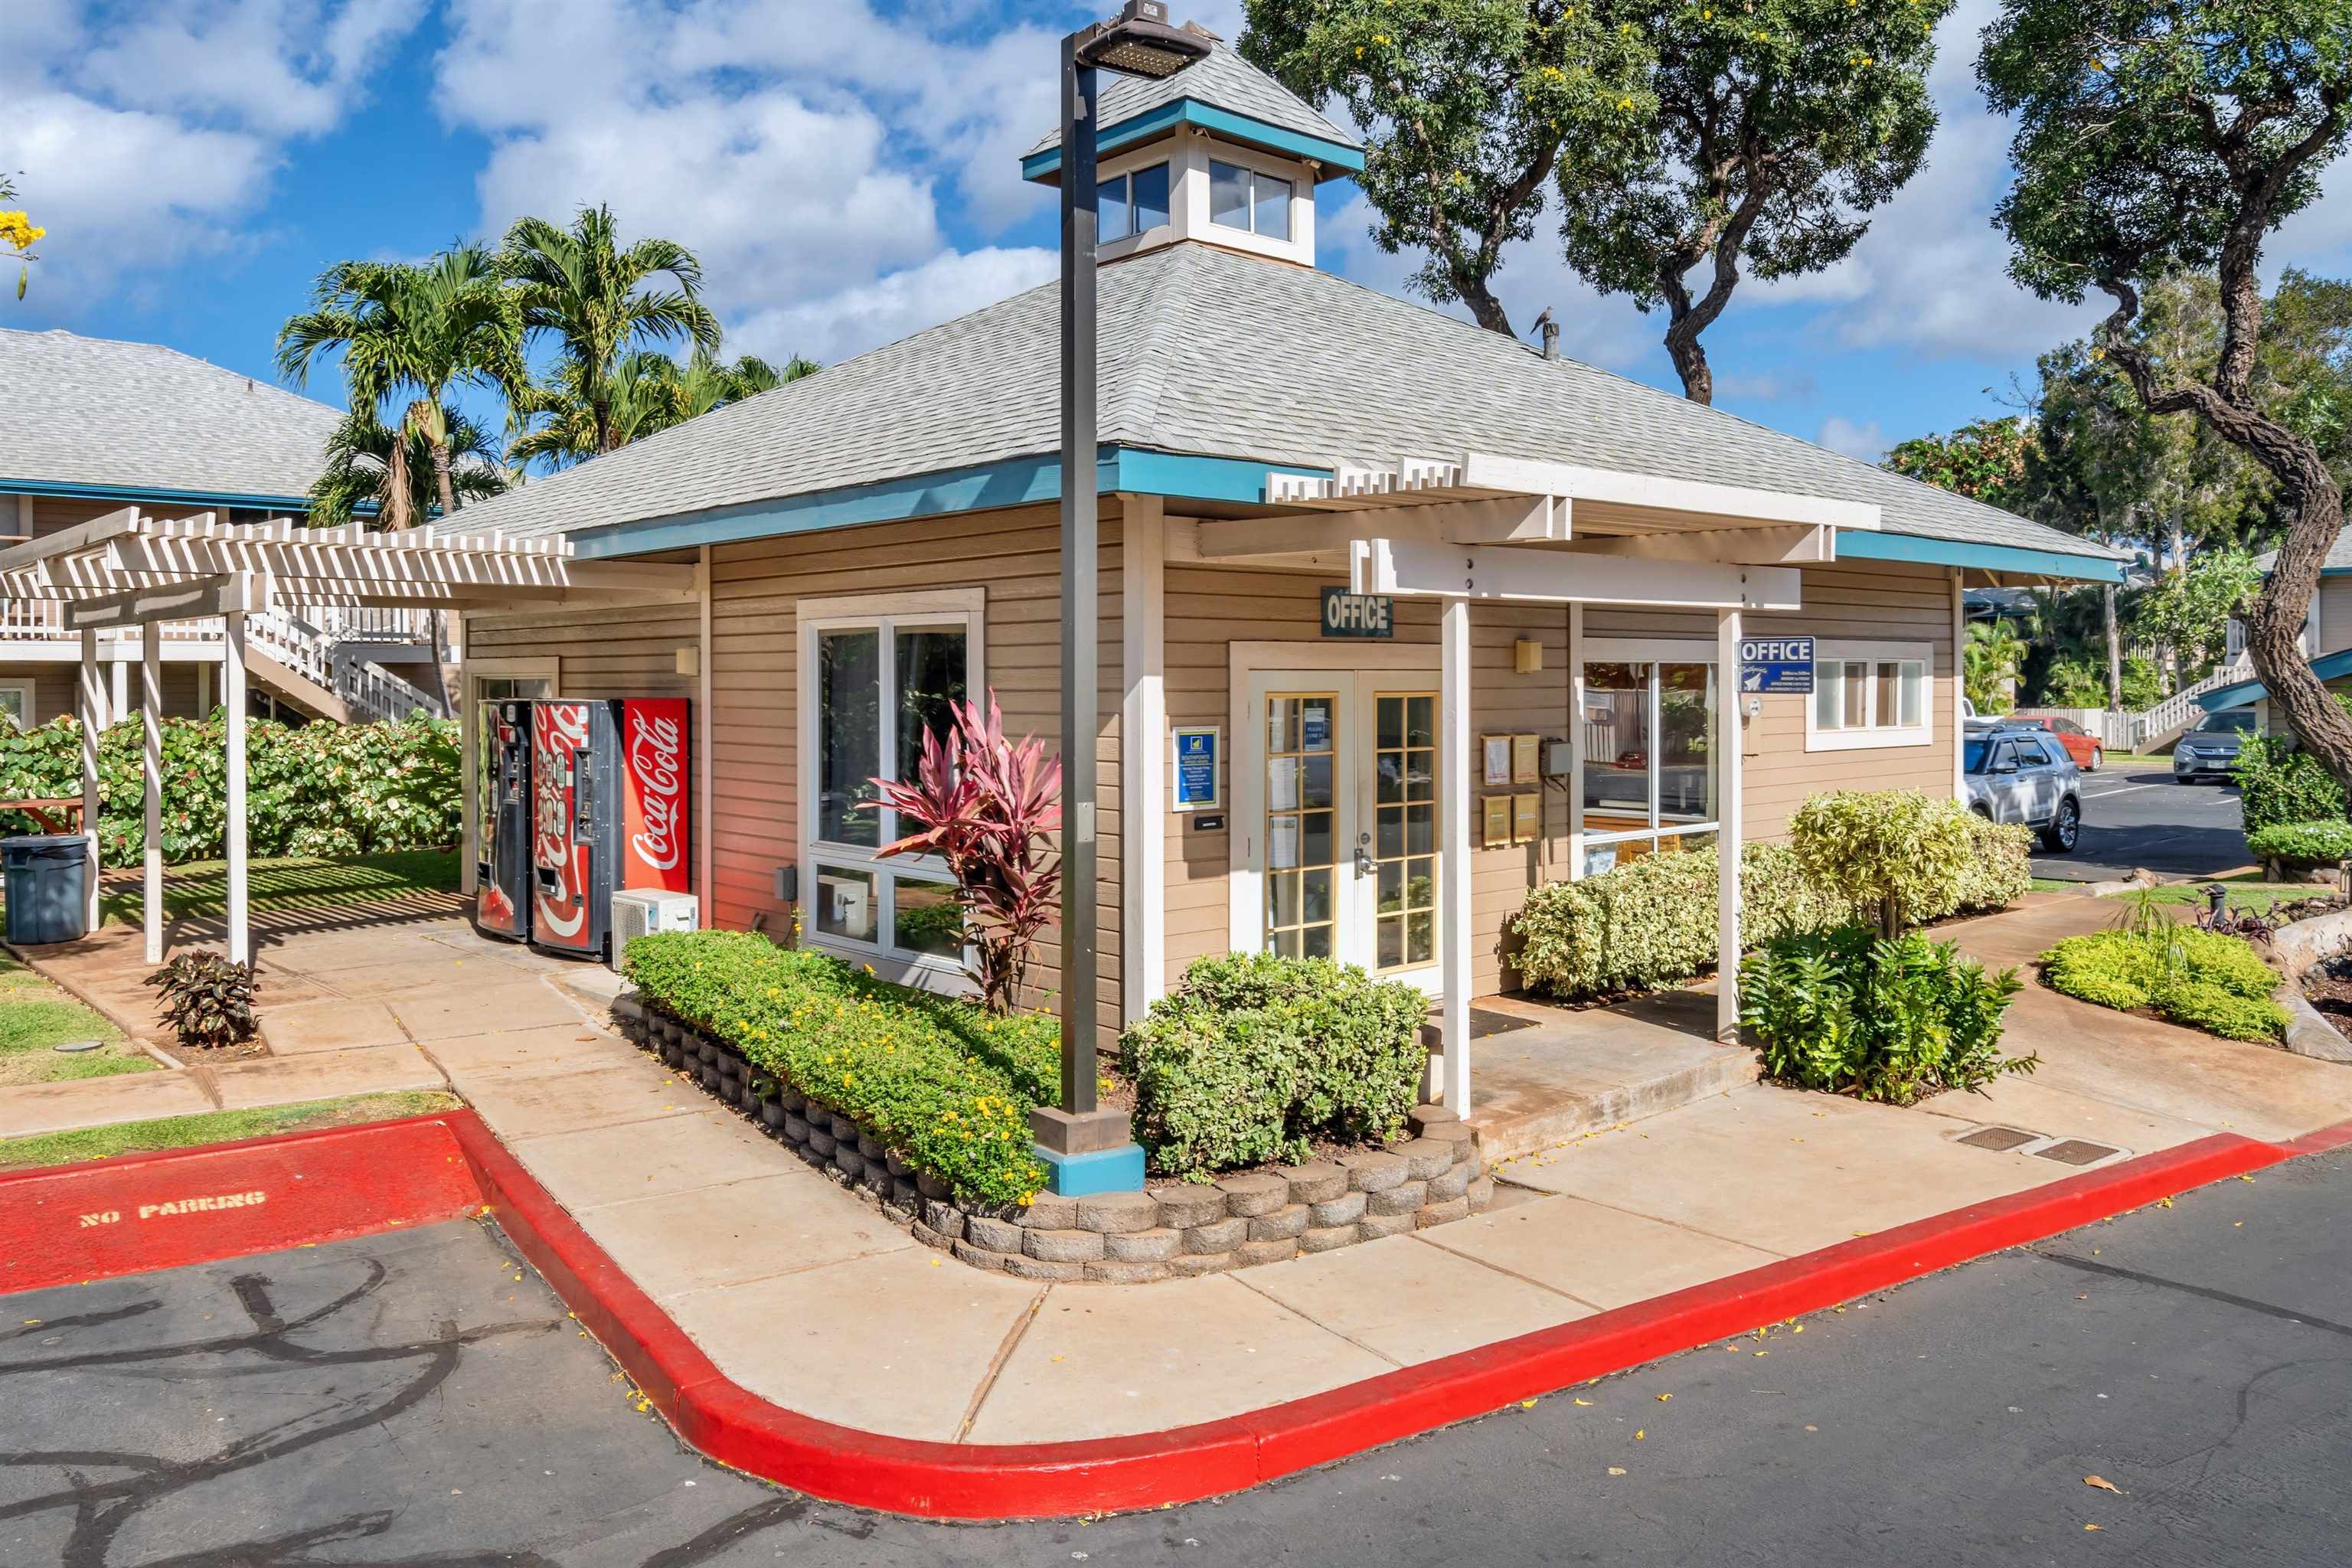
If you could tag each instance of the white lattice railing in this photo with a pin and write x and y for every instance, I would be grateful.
(2153, 724)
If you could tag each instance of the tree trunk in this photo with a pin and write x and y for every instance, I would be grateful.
(441, 480)
(1484, 308)
(396, 500)
(2115, 648)
(2274, 627)
(1690, 359)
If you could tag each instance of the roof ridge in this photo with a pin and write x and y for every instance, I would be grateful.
(1139, 409)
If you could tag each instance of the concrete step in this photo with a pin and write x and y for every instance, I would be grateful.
(1573, 1071)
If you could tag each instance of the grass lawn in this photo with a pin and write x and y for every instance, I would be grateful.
(2247, 892)
(214, 1127)
(35, 1016)
(296, 881)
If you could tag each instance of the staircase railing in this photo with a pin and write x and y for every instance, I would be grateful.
(2153, 723)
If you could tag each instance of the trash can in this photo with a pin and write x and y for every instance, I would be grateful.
(46, 875)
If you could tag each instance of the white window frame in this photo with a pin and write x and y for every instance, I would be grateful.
(1231, 160)
(1652, 652)
(25, 690)
(883, 613)
(1125, 176)
(1872, 735)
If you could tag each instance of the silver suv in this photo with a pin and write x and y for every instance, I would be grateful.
(2210, 748)
(2022, 774)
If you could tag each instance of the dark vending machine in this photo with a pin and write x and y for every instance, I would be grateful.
(502, 861)
(609, 811)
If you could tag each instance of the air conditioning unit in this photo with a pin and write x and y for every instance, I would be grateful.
(641, 913)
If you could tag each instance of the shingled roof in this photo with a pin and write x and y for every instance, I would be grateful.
(1224, 80)
(1212, 353)
(109, 415)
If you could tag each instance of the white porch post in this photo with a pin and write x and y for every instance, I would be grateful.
(1576, 742)
(706, 752)
(151, 709)
(1143, 750)
(1960, 689)
(118, 708)
(240, 941)
(1454, 849)
(469, 772)
(1729, 742)
(91, 711)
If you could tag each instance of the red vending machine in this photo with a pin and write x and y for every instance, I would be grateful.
(609, 783)
(502, 878)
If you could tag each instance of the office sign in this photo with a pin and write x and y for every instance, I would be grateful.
(1195, 785)
(1347, 614)
(1783, 665)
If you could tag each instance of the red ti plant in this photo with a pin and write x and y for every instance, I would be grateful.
(991, 809)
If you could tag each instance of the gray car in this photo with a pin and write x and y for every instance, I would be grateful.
(2023, 775)
(2208, 748)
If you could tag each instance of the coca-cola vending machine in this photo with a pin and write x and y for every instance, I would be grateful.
(503, 792)
(608, 782)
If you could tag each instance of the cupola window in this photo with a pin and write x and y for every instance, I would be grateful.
(1243, 198)
(1131, 204)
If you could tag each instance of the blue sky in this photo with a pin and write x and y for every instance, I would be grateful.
(847, 171)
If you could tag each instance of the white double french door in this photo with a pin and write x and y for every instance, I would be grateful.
(1335, 818)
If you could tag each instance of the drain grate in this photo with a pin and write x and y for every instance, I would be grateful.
(2077, 1152)
(1999, 1140)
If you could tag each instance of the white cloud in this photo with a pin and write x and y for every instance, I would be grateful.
(890, 308)
(281, 67)
(1839, 434)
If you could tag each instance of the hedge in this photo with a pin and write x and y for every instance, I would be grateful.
(321, 789)
(2278, 782)
(2206, 980)
(1651, 921)
(947, 1086)
(2321, 843)
(1924, 855)
(1254, 1056)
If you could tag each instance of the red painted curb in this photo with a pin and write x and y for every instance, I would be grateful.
(340, 1182)
(133, 1213)
(944, 1480)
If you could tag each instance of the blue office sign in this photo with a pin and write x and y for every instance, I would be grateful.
(1782, 664)
(1196, 785)
(1347, 614)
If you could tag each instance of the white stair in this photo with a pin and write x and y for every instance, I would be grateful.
(2161, 725)
(334, 658)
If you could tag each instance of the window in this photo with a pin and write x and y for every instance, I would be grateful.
(1131, 204)
(872, 686)
(1650, 771)
(1246, 199)
(17, 705)
(1868, 694)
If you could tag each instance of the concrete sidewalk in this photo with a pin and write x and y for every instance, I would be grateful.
(812, 1300)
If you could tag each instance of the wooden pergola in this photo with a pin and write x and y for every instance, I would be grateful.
(127, 570)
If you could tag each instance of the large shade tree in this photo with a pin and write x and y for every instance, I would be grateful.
(599, 300)
(410, 333)
(1677, 138)
(2159, 138)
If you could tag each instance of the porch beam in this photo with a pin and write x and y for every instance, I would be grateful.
(1553, 576)
(80, 536)
(348, 566)
(1796, 544)
(1453, 852)
(1702, 497)
(1505, 521)
(176, 602)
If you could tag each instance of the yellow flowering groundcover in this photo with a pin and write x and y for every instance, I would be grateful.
(943, 1083)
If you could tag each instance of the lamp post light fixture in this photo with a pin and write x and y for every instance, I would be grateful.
(1085, 1148)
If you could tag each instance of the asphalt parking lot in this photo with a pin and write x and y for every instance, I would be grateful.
(2134, 816)
(420, 1399)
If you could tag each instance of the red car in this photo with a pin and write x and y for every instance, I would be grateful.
(2079, 744)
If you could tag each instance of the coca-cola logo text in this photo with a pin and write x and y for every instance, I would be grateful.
(658, 763)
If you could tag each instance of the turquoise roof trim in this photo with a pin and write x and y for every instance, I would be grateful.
(1860, 545)
(1019, 481)
(1335, 158)
(2327, 666)
(147, 493)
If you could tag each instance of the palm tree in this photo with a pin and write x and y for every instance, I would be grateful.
(647, 391)
(368, 465)
(411, 330)
(579, 286)
(1989, 660)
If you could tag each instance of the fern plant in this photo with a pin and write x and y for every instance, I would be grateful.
(206, 1000)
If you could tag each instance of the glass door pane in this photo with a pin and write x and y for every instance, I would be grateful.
(1404, 829)
(1616, 747)
(1302, 838)
(1686, 752)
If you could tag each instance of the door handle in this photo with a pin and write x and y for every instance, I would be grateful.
(1365, 864)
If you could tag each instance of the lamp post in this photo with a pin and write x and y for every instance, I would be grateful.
(1085, 1148)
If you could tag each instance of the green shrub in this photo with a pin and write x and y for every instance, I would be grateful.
(1651, 921)
(2206, 980)
(2321, 843)
(206, 1000)
(1883, 1019)
(323, 789)
(945, 1084)
(1254, 1056)
(1899, 854)
(1998, 872)
(2280, 784)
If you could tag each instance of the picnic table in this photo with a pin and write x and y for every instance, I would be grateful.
(39, 807)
